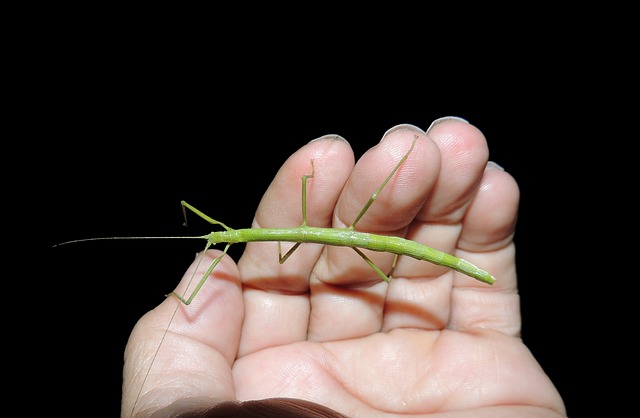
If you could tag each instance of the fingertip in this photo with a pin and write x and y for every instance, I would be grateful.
(491, 219)
(446, 119)
(330, 137)
(402, 127)
(494, 165)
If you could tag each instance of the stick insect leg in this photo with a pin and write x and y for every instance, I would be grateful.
(214, 263)
(283, 258)
(374, 196)
(204, 278)
(207, 218)
(385, 277)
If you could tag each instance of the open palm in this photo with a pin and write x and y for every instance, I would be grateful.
(323, 327)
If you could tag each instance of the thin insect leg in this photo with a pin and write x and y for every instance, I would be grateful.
(283, 258)
(207, 218)
(374, 196)
(393, 266)
(373, 265)
(304, 193)
(204, 278)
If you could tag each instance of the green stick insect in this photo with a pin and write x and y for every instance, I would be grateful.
(346, 237)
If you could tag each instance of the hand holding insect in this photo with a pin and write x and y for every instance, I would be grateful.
(324, 327)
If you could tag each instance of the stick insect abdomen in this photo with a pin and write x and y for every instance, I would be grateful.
(347, 237)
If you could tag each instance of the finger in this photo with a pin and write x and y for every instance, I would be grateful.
(420, 294)
(345, 289)
(276, 295)
(177, 351)
(487, 240)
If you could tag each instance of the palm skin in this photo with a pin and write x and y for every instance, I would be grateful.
(323, 327)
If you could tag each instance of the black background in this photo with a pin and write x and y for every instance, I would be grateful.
(125, 141)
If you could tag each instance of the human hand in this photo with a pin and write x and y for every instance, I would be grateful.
(323, 327)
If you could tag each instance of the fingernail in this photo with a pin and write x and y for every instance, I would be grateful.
(330, 136)
(402, 126)
(491, 164)
(437, 121)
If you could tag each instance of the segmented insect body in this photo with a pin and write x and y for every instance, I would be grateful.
(346, 237)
